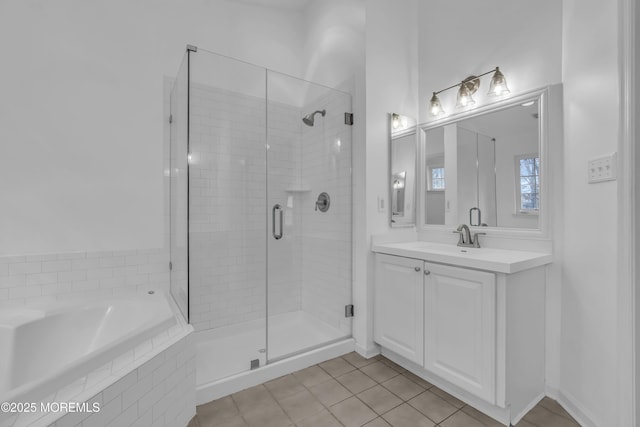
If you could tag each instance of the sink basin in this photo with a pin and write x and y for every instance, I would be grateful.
(496, 260)
(442, 248)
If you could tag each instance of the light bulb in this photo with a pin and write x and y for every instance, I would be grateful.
(435, 107)
(498, 85)
(464, 97)
(395, 120)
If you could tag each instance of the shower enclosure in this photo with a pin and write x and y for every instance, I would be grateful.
(260, 213)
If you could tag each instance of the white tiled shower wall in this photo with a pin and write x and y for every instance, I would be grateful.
(227, 208)
(284, 170)
(326, 237)
(40, 278)
(309, 268)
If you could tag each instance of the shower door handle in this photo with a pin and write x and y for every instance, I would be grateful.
(276, 209)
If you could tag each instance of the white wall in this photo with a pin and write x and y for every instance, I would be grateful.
(464, 37)
(333, 48)
(591, 114)
(81, 117)
(391, 86)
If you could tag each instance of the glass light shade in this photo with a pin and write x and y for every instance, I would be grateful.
(435, 107)
(465, 99)
(498, 85)
(395, 120)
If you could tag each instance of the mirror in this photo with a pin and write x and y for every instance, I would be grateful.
(402, 166)
(397, 195)
(484, 170)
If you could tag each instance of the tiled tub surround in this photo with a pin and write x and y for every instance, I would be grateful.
(160, 392)
(46, 345)
(45, 278)
(150, 381)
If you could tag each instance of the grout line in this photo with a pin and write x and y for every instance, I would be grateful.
(351, 394)
(451, 416)
(277, 401)
(322, 382)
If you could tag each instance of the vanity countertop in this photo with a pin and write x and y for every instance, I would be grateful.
(497, 260)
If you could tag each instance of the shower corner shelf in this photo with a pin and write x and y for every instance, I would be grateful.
(297, 189)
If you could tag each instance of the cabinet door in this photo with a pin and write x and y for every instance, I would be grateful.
(460, 327)
(398, 306)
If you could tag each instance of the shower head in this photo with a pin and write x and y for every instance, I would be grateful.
(309, 118)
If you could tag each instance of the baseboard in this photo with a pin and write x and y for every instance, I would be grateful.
(501, 415)
(515, 420)
(583, 416)
(367, 352)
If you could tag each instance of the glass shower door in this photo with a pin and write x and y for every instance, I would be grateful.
(227, 214)
(178, 188)
(309, 215)
(261, 198)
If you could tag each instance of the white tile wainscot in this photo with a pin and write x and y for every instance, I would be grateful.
(470, 321)
(28, 279)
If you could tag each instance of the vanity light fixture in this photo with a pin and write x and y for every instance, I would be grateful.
(469, 86)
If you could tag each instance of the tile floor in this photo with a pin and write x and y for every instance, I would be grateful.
(354, 391)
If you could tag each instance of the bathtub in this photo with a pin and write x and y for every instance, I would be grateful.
(45, 348)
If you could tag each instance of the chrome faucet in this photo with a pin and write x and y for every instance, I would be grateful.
(465, 239)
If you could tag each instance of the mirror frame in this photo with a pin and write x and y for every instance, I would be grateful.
(413, 130)
(545, 96)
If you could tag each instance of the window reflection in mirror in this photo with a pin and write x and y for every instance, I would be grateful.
(484, 170)
(402, 169)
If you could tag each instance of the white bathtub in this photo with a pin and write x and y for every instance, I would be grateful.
(43, 349)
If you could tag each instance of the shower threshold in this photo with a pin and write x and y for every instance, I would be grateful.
(296, 340)
(228, 350)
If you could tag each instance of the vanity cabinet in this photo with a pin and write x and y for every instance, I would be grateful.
(440, 317)
(398, 306)
(459, 327)
(477, 333)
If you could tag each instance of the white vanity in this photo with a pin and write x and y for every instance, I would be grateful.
(469, 320)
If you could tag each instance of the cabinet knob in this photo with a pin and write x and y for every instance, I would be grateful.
(416, 268)
(427, 272)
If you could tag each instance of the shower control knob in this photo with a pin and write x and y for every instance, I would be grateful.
(417, 268)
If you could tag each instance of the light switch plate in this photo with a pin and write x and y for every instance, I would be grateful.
(602, 169)
(381, 204)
